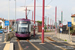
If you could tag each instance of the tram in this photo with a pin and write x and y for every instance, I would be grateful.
(24, 28)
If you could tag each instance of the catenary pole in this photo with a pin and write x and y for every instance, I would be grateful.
(43, 7)
(34, 15)
(56, 20)
(26, 12)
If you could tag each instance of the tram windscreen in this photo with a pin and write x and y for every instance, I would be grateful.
(23, 27)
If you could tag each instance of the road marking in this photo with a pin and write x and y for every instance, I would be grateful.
(33, 45)
(26, 47)
(54, 45)
(7, 46)
(11, 46)
(0, 39)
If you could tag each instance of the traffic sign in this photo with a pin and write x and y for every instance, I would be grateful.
(69, 24)
(61, 25)
(6, 23)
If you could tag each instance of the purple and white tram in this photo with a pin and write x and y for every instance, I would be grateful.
(23, 28)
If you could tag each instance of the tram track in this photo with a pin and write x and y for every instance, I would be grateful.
(59, 42)
(21, 48)
(33, 45)
(53, 44)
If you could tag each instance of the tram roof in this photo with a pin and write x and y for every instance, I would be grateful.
(23, 19)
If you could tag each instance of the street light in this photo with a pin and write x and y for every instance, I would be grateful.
(15, 12)
(8, 13)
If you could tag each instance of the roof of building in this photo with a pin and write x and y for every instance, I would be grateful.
(73, 15)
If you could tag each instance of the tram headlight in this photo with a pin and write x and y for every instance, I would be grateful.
(20, 22)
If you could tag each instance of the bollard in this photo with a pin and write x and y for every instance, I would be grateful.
(3, 37)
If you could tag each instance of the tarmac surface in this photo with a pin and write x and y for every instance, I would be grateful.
(73, 39)
(50, 45)
(2, 46)
(34, 43)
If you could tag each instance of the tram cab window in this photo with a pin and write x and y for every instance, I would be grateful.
(23, 27)
(29, 27)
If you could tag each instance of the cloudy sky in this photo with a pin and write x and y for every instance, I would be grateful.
(67, 6)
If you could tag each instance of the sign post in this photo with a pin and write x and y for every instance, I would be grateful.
(69, 25)
(6, 24)
(61, 25)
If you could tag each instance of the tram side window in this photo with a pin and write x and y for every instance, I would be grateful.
(29, 27)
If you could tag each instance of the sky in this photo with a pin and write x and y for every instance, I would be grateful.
(67, 6)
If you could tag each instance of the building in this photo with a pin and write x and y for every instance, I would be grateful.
(73, 21)
(11, 22)
(2, 22)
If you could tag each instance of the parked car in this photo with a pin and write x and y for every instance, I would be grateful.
(5, 31)
(10, 30)
(1, 30)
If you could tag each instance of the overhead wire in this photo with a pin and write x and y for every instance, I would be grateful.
(49, 2)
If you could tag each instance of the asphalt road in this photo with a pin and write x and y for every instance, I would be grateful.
(37, 42)
(73, 39)
(2, 46)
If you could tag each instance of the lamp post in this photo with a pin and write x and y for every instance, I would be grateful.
(15, 12)
(48, 23)
(55, 20)
(8, 13)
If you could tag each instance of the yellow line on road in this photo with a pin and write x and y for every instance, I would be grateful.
(33, 45)
(7, 46)
(20, 48)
